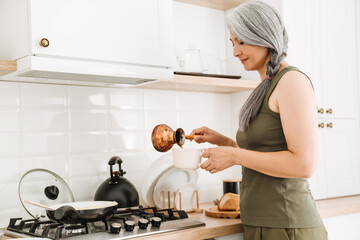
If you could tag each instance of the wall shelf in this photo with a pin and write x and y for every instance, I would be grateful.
(217, 4)
(203, 84)
(7, 66)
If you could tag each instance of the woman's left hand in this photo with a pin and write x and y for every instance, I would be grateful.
(219, 158)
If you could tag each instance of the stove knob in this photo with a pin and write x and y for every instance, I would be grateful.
(143, 223)
(129, 225)
(156, 221)
(115, 228)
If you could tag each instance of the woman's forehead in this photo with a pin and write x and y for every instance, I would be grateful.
(233, 37)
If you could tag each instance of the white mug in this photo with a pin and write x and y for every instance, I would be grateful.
(187, 158)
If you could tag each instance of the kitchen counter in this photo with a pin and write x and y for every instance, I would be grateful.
(216, 227)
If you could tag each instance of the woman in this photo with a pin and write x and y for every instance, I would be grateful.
(277, 142)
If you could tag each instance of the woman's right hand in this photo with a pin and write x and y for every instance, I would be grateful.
(205, 134)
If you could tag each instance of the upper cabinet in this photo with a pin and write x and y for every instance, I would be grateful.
(127, 31)
(110, 43)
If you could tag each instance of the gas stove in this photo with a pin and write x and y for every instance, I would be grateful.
(125, 224)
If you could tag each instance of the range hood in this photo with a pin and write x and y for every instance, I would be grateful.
(85, 72)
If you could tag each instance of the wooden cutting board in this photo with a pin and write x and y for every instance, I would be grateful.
(214, 212)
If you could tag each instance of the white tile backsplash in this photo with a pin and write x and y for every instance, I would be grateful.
(126, 98)
(88, 165)
(10, 173)
(203, 102)
(56, 164)
(84, 189)
(84, 119)
(44, 143)
(9, 143)
(40, 95)
(126, 141)
(9, 196)
(9, 94)
(87, 142)
(160, 100)
(153, 118)
(9, 120)
(219, 121)
(73, 131)
(120, 120)
(44, 119)
(87, 97)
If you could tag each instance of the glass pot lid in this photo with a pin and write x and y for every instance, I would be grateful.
(44, 187)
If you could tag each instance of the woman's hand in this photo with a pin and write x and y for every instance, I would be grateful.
(205, 134)
(219, 158)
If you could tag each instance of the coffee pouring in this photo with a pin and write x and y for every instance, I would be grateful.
(163, 137)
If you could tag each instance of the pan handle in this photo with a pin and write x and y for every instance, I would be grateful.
(115, 160)
(66, 213)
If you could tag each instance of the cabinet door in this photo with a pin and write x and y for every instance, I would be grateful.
(108, 30)
(304, 40)
(341, 156)
(338, 57)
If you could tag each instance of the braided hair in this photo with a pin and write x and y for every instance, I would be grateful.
(257, 23)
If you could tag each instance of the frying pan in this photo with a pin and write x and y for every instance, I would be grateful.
(79, 212)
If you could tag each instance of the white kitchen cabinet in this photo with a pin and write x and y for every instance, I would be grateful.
(338, 57)
(341, 154)
(126, 31)
(338, 91)
(315, 47)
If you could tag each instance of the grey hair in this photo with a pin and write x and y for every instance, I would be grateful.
(257, 23)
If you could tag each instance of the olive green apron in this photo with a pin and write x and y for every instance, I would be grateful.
(268, 201)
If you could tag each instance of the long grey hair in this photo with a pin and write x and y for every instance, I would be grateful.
(257, 23)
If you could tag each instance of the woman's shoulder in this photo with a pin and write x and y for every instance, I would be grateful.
(293, 84)
(294, 78)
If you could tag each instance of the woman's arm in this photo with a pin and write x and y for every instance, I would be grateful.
(295, 101)
(205, 134)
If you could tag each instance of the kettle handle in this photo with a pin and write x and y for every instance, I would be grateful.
(115, 160)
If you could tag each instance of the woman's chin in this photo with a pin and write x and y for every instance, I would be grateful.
(246, 67)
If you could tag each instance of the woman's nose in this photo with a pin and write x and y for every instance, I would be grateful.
(236, 52)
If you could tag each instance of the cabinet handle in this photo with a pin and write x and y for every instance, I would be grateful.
(321, 125)
(329, 125)
(329, 111)
(321, 111)
(44, 42)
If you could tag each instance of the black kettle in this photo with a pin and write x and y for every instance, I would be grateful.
(117, 188)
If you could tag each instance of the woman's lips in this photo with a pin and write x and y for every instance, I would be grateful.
(243, 60)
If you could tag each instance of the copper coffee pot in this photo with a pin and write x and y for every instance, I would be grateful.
(163, 137)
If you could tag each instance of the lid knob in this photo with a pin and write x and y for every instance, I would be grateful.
(52, 192)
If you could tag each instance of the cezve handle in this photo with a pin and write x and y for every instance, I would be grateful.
(191, 137)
